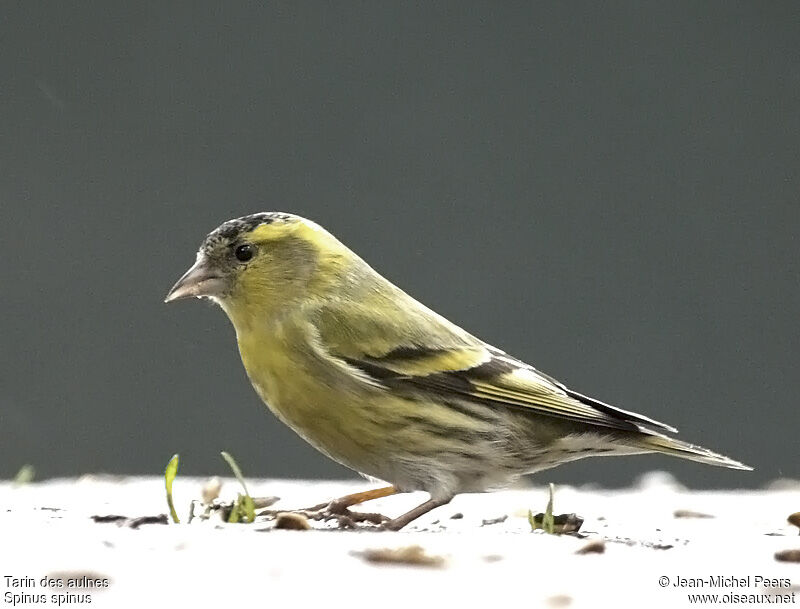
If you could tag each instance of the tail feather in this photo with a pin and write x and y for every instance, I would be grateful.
(677, 448)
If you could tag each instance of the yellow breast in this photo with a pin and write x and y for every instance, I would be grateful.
(308, 394)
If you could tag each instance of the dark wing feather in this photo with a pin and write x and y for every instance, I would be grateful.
(411, 349)
(489, 376)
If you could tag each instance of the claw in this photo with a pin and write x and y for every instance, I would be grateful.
(339, 510)
(345, 518)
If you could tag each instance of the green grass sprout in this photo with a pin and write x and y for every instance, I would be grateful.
(25, 475)
(544, 521)
(169, 475)
(563, 524)
(548, 523)
(244, 507)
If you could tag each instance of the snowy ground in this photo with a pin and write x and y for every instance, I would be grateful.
(47, 530)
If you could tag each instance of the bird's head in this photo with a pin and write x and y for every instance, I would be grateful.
(263, 261)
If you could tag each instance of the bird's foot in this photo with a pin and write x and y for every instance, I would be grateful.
(347, 519)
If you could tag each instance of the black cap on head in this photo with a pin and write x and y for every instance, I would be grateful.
(229, 231)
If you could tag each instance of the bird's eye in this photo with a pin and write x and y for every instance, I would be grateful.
(244, 252)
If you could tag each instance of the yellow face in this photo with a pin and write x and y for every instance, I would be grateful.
(264, 260)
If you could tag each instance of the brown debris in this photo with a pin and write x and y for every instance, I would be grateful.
(560, 600)
(788, 556)
(794, 519)
(133, 523)
(596, 546)
(406, 555)
(690, 514)
(292, 521)
(562, 523)
(259, 503)
(498, 520)
(644, 544)
(108, 518)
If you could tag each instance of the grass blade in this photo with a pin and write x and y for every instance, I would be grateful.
(244, 507)
(548, 524)
(235, 469)
(169, 475)
(25, 475)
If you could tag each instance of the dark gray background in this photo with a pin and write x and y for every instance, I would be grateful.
(607, 190)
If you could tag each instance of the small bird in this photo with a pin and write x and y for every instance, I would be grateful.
(384, 385)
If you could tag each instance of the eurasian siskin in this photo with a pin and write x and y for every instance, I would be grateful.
(387, 387)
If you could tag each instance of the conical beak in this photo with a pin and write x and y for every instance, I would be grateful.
(199, 281)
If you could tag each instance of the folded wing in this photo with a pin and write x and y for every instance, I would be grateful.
(487, 375)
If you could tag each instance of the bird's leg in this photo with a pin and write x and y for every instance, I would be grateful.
(339, 508)
(342, 503)
(401, 521)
